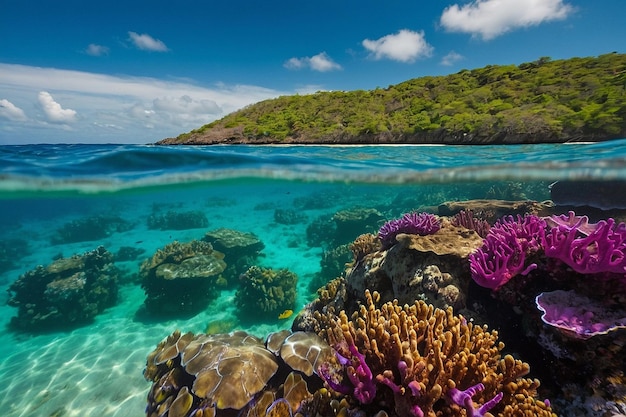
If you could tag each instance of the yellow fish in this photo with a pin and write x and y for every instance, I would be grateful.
(285, 314)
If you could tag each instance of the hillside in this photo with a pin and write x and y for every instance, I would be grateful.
(578, 99)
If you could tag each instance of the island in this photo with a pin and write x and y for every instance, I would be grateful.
(544, 101)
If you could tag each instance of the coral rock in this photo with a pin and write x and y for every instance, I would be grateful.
(265, 292)
(65, 293)
(418, 267)
(181, 277)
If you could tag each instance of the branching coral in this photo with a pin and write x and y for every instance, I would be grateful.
(409, 223)
(422, 361)
(587, 248)
(505, 249)
(363, 245)
(469, 220)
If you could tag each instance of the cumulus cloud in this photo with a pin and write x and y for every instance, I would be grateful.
(53, 110)
(10, 111)
(115, 109)
(489, 19)
(404, 46)
(147, 42)
(96, 50)
(320, 62)
(451, 58)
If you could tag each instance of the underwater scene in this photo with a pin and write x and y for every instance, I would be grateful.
(313, 280)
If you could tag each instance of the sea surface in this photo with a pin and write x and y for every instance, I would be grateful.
(57, 201)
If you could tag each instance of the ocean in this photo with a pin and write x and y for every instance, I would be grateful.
(58, 201)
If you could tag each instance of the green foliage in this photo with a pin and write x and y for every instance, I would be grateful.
(560, 98)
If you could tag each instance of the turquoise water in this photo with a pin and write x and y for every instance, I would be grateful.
(57, 201)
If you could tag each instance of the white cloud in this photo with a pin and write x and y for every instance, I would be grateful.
(96, 50)
(404, 46)
(114, 109)
(320, 62)
(10, 111)
(451, 58)
(53, 110)
(491, 18)
(147, 42)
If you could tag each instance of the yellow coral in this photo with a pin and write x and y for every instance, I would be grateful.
(441, 351)
(363, 245)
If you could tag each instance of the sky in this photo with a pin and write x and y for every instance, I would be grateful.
(137, 71)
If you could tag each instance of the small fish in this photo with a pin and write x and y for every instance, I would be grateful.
(285, 314)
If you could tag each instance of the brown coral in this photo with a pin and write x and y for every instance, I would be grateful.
(418, 353)
(398, 273)
(181, 277)
(216, 371)
(208, 375)
(68, 292)
(363, 245)
(265, 293)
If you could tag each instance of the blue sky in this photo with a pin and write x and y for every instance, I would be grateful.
(138, 71)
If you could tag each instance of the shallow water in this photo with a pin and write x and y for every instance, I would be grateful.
(53, 196)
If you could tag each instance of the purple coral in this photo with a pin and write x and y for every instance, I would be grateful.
(361, 380)
(578, 316)
(504, 250)
(587, 248)
(410, 223)
(468, 220)
(464, 399)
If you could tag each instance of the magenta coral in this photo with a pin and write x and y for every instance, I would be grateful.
(464, 399)
(578, 316)
(587, 248)
(361, 381)
(410, 223)
(469, 221)
(504, 251)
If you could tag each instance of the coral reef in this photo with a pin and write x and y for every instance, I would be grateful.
(505, 249)
(128, 253)
(265, 293)
(173, 220)
(493, 210)
(352, 222)
(289, 216)
(241, 250)
(416, 360)
(66, 293)
(321, 231)
(233, 374)
(566, 288)
(363, 245)
(181, 277)
(90, 228)
(470, 220)
(431, 267)
(584, 247)
(410, 223)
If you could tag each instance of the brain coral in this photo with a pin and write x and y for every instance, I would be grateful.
(423, 361)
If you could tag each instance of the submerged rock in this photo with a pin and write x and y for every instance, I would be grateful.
(66, 293)
(181, 277)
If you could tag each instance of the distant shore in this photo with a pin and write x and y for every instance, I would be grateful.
(234, 137)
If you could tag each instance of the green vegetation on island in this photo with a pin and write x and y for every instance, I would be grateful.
(577, 99)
